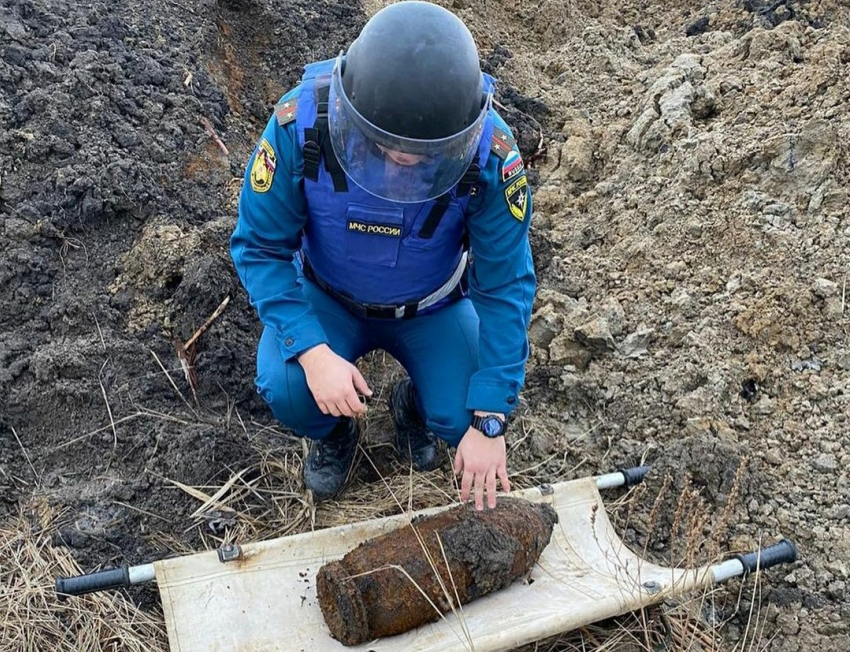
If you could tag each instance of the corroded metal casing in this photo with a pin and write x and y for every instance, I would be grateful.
(380, 588)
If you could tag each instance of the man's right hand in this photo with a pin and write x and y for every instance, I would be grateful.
(334, 382)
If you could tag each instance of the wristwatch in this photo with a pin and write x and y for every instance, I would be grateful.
(490, 425)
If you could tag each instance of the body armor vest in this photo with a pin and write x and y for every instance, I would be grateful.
(369, 249)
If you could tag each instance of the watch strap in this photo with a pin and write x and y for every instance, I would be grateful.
(478, 424)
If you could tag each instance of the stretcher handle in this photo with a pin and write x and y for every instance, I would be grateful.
(779, 553)
(114, 578)
(633, 475)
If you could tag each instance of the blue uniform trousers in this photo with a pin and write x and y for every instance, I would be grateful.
(439, 350)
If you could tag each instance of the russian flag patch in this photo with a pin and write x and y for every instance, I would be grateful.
(512, 166)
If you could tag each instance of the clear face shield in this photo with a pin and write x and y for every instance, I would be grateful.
(392, 167)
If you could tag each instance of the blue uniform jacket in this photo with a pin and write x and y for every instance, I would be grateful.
(501, 277)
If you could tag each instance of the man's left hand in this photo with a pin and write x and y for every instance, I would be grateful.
(482, 460)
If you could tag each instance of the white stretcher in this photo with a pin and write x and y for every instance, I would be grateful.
(262, 596)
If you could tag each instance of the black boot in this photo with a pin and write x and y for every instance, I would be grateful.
(329, 461)
(414, 442)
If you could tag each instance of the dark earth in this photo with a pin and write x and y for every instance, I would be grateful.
(691, 238)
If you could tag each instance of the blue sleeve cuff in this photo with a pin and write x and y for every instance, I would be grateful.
(492, 397)
(300, 338)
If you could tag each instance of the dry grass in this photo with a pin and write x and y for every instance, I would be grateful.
(656, 629)
(33, 619)
(268, 499)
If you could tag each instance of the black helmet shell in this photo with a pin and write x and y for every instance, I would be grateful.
(414, 72)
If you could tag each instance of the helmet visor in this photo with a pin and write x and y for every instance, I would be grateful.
(393, 167)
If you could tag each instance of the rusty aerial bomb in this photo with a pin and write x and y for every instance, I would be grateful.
(412, 575)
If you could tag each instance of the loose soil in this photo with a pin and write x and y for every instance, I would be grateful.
(690, 165)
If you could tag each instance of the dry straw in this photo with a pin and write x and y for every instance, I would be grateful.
(268, 499)
(33, 619)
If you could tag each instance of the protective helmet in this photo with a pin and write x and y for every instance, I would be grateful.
(407, 105)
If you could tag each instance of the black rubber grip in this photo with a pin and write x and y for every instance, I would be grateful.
(634, 475)
(114, 578)
(783, 552)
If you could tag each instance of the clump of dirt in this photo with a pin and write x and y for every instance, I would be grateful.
(691, 241)
(117, 204)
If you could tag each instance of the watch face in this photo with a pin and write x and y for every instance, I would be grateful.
(492, 426)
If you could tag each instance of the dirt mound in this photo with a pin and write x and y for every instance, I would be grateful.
(117, 203)
(690, 165)
(694, 204)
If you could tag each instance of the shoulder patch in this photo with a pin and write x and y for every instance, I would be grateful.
(516, 196)
(285, 111)
(262, 170)
(502, 143)
(512, 166)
